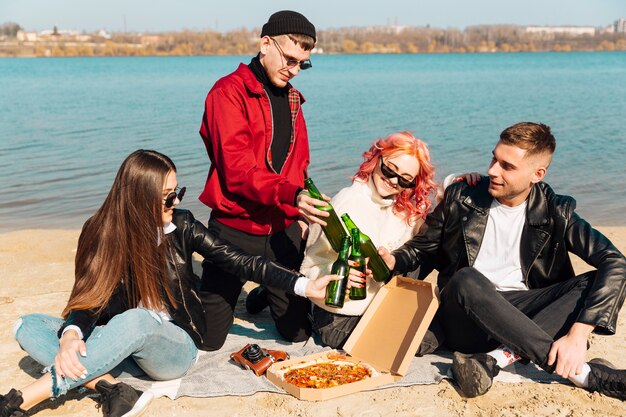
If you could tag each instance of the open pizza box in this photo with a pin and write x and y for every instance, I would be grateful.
(386, 339)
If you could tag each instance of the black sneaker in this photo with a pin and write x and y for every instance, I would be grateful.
(10, 404)
(122, 400)
(257, 300)
(474, 373)
(607, 380)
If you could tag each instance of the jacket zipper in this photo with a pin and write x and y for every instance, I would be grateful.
(182, 296)
(293, 128)
(615, 309)
(556, 248)
(532, 263)
(272, 134)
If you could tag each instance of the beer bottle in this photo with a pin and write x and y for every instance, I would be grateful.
(336, 290)
(379, 268)
(333, 230)
(359, 259)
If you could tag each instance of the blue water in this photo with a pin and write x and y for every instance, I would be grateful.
(66, 124)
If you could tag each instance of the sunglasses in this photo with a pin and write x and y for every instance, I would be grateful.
(390, 173)
(291, 62)
(171, 197)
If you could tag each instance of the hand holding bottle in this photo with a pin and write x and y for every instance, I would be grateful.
(317, 288)
(387, 257)
(307, 208)
(356, 278)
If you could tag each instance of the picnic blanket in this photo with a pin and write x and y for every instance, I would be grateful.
(215, 375)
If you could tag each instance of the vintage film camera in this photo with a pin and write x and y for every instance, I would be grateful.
(253, 357)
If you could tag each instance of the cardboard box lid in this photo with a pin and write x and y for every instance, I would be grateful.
(394, 324)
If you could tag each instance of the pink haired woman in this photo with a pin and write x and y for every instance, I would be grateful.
(388, 200)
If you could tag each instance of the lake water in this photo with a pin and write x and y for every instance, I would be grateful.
(66, 124)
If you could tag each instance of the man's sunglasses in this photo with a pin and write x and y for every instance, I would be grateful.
(291, 62)
(171, 197)
(390, 173)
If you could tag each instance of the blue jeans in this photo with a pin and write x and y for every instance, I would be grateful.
(160, 348)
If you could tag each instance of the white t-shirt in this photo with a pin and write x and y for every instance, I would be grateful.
(499, 255)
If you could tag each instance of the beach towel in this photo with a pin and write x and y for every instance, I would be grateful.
(215, 375)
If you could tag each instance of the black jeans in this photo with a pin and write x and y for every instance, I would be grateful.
(477, 318)
(220, 290)
(332, 328)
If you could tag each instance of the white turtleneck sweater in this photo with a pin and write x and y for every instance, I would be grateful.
(375, 217)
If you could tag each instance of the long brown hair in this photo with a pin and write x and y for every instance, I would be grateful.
(120, 243)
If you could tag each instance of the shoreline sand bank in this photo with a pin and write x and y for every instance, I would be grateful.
(36, 268)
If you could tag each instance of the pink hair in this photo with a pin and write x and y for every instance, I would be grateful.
(415, 202)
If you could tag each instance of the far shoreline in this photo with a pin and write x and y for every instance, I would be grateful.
(30, 56)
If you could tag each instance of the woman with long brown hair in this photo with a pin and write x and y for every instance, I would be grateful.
(134, 294)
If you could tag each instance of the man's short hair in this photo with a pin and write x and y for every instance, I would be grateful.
(534, 138)
(305, 41)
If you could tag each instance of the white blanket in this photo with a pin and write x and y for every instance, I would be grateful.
(215, 375)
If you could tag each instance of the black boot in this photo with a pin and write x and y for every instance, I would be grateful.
(122, 400)
(474, 373)
(607, 380)
(256, 300)
(10, 404)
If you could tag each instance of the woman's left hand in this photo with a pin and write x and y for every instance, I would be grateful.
(356, 278)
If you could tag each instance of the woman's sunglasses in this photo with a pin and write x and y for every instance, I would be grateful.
(171, 197)
(390, 173)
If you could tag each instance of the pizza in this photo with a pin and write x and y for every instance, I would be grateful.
(326, 372)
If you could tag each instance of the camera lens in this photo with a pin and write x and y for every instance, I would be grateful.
(254, 353)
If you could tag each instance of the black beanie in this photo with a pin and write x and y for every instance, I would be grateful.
(287, 22)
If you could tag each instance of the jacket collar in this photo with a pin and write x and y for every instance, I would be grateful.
(254, 85)
(536, 213)
(478, 197)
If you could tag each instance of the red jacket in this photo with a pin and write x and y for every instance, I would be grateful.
(242, 188)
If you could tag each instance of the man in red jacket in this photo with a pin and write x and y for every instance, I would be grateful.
(256, 138)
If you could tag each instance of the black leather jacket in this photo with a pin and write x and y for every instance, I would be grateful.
(452, 234)
(192, 236)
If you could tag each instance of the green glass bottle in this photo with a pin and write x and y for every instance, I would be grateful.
(336, 290)
(357, 257)
(333, 230)
(379, 268)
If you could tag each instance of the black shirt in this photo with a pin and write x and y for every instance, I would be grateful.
(281, 114)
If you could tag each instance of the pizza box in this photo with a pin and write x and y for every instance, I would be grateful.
(386, 338)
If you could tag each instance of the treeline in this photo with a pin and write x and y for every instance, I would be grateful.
(487, 38)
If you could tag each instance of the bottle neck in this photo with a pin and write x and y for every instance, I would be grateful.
(356, 242)
(345, 248)
(348, 222)
(312, 189)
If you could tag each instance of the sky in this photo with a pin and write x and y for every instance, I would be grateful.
(226, 15)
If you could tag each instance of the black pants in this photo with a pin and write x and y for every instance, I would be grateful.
(332, 328)
(220, 290)
(477, 318)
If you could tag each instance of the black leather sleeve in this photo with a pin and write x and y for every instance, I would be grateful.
(422, 249)
(85, 320)
(236, 261)
(608, 290)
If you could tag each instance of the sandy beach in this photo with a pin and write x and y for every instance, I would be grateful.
(36, 267)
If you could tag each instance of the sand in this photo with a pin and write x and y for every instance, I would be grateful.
(36, 269)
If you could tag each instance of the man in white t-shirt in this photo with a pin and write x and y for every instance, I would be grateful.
(508, 289)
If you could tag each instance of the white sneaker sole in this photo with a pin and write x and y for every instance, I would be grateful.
(141, 404)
